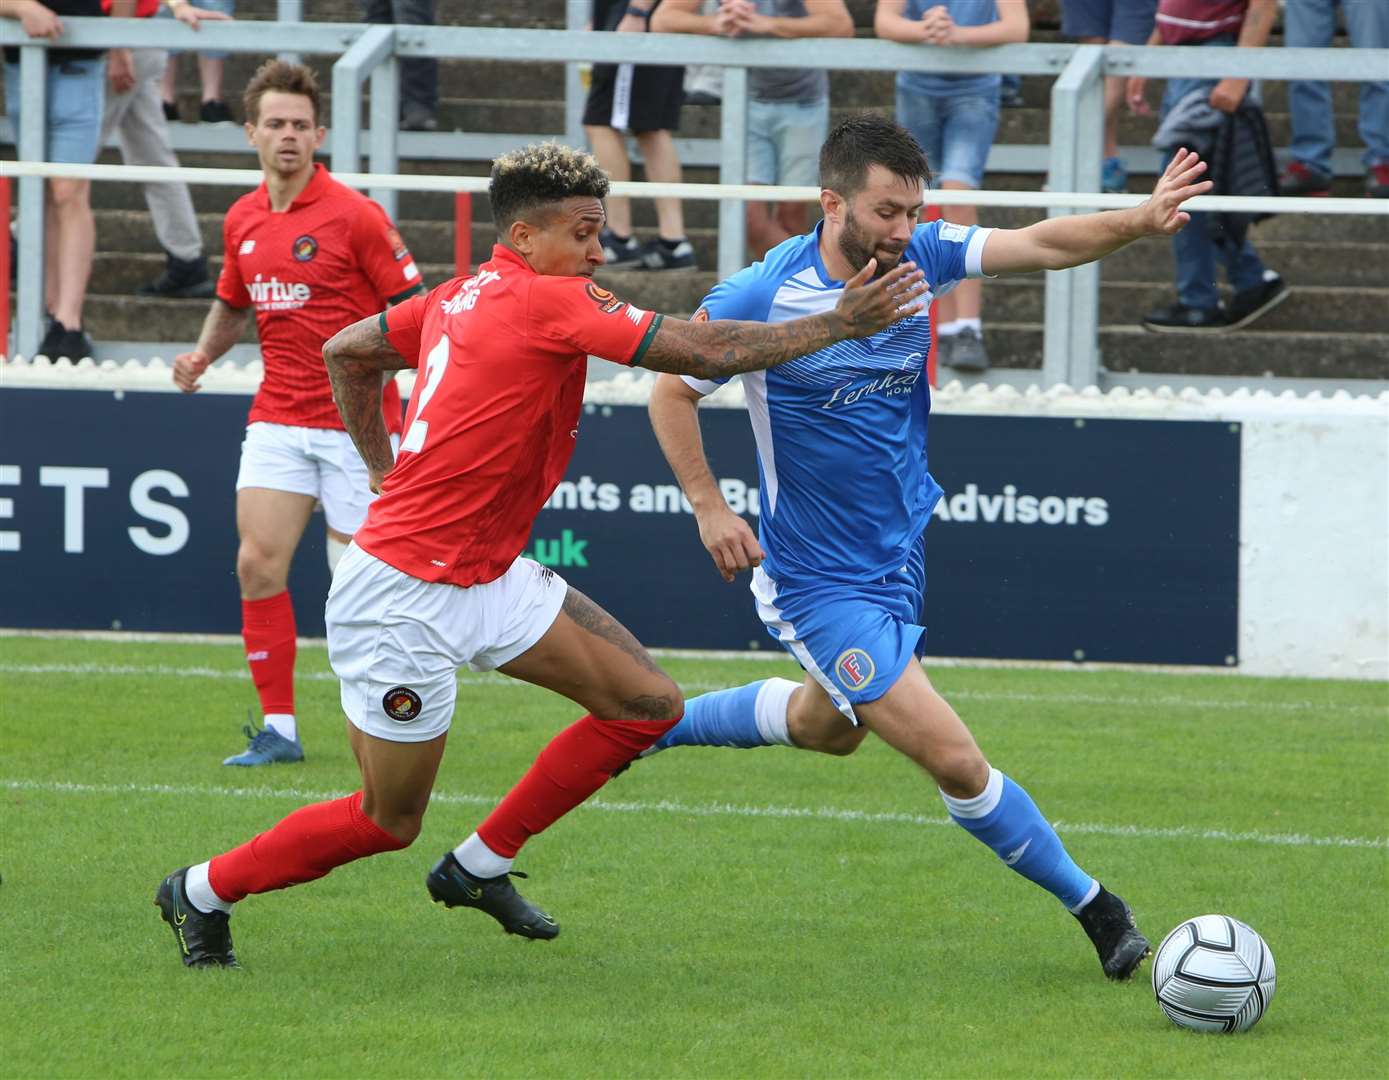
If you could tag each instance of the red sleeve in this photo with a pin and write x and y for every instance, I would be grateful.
(582, 314)
(231, 290)
(403, 324)
(383, 256)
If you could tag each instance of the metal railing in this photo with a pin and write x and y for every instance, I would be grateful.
(1071, 352)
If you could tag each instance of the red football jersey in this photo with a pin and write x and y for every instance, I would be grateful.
(495, 412)
(332, 258)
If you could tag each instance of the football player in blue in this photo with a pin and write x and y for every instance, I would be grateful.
(840, 583)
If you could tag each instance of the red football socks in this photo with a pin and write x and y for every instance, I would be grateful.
(302, 847)
(575, 764)
(267, 628)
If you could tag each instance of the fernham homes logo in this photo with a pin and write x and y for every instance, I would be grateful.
(272, 294)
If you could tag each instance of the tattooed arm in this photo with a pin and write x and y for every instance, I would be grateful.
(356, 358)
(221, 329)
(712, 350)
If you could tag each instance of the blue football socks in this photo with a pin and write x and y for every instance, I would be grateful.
(743, 717)
(1006, 819)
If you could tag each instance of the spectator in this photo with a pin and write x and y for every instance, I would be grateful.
(1311, 24)
(1111, 22)
(789, 108)
(646, 101)
(133, 113)
(1246, 24)
(419, 76)
(212, 65)
(954, 118)
(76, 85)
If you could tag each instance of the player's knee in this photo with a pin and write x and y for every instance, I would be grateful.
(961, 773)
(404, 825)
(256, 569)
(660, 702)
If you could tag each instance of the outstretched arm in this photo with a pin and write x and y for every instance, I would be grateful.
(355, 357)
(716, 350)
(1061, 242)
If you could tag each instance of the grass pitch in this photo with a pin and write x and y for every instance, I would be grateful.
(724, 913)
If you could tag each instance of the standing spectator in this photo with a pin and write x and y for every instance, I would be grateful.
(1197, 248)
(954, 118)
(789, 108)
(1311, 24)
(76, 89)
(309, 256)
(212, 65)
(133, 113)
(419, 76)
(645, 101)
(1110, 22)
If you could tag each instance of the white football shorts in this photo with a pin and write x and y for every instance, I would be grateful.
(320, 462)
(396, 642)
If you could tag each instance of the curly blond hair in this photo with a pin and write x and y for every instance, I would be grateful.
(527, 179)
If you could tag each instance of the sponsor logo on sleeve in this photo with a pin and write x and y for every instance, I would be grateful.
(305, 248)
(247, 246)
(401, 704)
(956, 234)
(606, 301)
(397, 245)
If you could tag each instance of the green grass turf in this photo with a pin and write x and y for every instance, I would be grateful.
(706, 932)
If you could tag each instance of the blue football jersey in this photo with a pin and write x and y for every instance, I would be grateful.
(841, 433)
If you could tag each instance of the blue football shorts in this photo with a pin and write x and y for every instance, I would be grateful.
(855, 640)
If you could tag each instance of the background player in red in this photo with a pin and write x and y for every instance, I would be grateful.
(434, 580)
(310, 255)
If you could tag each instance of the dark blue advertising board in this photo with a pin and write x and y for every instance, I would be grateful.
(1107, 540)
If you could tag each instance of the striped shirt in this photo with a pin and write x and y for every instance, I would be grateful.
(1190, 22)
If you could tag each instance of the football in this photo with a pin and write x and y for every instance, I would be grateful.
(1213, 973)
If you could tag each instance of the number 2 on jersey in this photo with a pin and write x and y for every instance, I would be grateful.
(435, 364)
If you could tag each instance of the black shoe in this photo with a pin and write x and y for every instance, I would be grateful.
(184, 278)
(453, 886)
(203, 940)
(619, 252)
(1299, 179)
(966, 351)
(215, 112)
(1109, 922)
(170, 111)
(1180, 319)
(658, 255)
(1250, 304)
(60, 342)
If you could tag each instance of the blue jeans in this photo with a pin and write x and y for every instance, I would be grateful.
(76, 99)
(419, 75)
(1310, 24)
(1201, 244)
(955, 131)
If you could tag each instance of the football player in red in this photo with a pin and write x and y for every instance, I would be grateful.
(434, 581)
(309, 255)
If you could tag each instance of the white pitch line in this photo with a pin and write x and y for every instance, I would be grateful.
(488, 679)
(719, 809)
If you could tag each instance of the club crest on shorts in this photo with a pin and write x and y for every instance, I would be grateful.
(305, 248)
(606, 301)
(401, 704)
(855, 668)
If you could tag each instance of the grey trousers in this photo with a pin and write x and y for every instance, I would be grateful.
(137, 119)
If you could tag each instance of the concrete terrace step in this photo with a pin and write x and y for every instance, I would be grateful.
(1306, 354)
(1348, 263)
